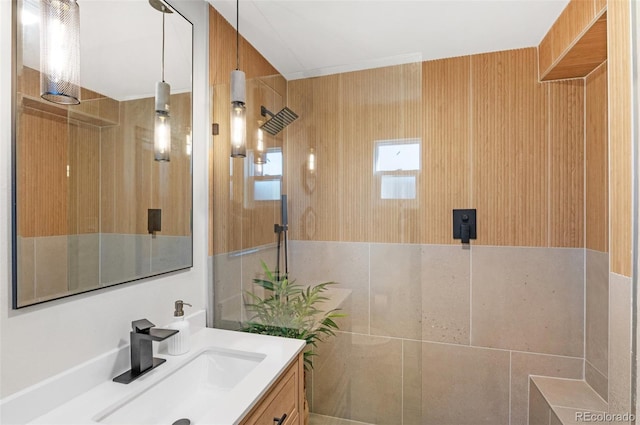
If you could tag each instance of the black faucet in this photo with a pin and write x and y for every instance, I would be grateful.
(142, 360)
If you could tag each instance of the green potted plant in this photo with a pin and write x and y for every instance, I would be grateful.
(291, 311)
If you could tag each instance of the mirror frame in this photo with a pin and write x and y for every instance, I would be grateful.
(15, 27)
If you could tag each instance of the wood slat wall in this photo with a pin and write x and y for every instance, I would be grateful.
(235, 222)
(132, 182)
(43, 186)
(510, 170)
(620, 178)
(565, 121)
(596, 161)
(446, 123)
(493, 138)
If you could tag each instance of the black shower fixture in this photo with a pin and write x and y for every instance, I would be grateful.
(278, 121)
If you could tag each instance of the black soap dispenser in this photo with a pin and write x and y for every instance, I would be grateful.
(179, 343)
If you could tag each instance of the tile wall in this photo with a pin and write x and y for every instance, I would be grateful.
(54, 266)
(446, 335)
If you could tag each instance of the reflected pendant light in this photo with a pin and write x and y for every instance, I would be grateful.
(60, 51)
(162, 124)
(260, 156)
(238, 125)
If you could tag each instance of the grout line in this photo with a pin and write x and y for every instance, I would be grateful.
(479, 347)
(510, 380)
(584, 222)
(596, 369)
(402, 383)
(471, 295)
(549, 200)
(369, 283)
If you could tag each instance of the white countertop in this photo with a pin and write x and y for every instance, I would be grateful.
(230, 409)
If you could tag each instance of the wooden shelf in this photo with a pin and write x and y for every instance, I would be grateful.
(70, 112)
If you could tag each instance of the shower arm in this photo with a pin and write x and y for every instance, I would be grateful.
(264, 112)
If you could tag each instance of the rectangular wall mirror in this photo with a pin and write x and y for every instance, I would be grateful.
(92, 207)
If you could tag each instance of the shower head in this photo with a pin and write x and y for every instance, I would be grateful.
(277, 122)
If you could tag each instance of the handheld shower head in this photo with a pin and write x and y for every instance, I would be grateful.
(278, 121)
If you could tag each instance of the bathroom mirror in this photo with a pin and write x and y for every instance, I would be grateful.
(91, 205)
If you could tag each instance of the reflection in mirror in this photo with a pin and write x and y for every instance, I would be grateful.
(85, 176)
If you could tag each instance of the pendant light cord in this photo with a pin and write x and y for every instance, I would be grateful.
(163, 47)
(237, 34)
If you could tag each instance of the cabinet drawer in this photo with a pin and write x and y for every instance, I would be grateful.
(283, 398)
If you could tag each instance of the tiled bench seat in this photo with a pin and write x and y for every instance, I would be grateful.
(558, 401)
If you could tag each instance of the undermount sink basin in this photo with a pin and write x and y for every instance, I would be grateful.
(187, 392)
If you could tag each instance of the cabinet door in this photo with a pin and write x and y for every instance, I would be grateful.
(280, 406)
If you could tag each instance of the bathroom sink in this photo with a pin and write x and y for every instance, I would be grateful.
(187, 392)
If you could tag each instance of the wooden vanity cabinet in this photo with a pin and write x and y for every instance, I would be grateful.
(285, 397)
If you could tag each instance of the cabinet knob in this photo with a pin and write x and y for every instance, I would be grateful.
(280, 421)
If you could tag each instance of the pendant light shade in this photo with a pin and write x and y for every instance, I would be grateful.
(238, 115)
(162, 120)
(60, 51)
(162, 126)
(238, 123)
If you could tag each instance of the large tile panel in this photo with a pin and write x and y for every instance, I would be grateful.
(528, 299)
(26, 270)
(445, 293)
(597, 310)
(51, 269)
(359, 377)
(464, 385)
(411, 382)
(347, 264)
(619, 343)
(84, 261)
(396, 290)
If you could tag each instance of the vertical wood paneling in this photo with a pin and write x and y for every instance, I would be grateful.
(619, 71)
(446, 96)
(545, 53)
(234, 223)
(599, 6)
(84, 178)
(260, 216)
(108, 141)
(489, 142)
(316, 198)
(509, 149)
(221, 213)
(222, 52)
(342, 118)
(566, 163)
(596, 161)
(43, 185)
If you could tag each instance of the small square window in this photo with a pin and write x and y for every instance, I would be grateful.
(397, 155)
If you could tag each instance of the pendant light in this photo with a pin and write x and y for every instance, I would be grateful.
(162, 123)
(238, 127)
(60, 51)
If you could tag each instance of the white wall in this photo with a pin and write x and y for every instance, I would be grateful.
(40, 341)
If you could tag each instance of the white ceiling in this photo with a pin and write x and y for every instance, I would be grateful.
(121, 47)
(307, 38)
